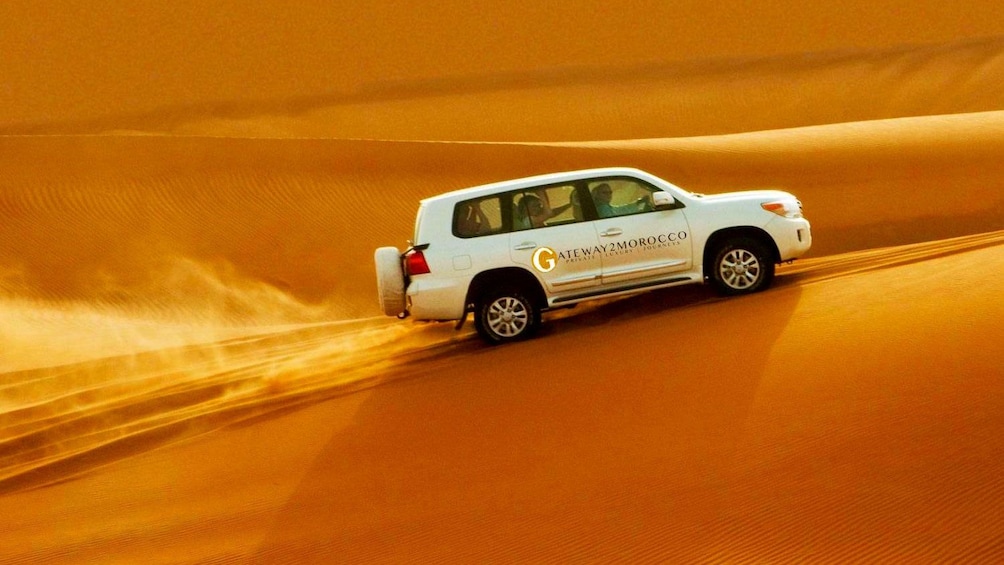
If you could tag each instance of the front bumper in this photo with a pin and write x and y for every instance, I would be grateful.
(793, 237)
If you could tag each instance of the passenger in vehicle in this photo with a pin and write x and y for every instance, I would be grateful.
(603, 194)
(534, 209)
(530, 213)
(471, 220)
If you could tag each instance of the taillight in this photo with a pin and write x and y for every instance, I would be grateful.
(415, 264)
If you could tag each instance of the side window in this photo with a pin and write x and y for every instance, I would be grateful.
(482, 216)
(545, 206)
(620, 197)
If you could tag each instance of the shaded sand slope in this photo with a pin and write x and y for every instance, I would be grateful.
(850, 414)
(651, 99)
(69, 61)
(705, 97)
(170, 224)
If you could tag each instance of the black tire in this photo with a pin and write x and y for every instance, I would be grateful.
(742, 266)
(506, 315)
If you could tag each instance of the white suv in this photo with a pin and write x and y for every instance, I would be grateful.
(508, 251)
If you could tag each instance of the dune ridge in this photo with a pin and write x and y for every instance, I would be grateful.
(694, 97)
(158, 224)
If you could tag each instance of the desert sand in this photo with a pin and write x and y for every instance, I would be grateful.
(193, 368)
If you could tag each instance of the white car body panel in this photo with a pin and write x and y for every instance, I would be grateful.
(666, 246)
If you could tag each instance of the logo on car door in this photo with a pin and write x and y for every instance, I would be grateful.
(544, 259)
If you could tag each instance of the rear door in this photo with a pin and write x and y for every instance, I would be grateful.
(551, 238)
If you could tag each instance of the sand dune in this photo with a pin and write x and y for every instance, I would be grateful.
(646, 100)
(810, 438)
(163, 223)
(71, 61)
(68, 417)
(192, 368)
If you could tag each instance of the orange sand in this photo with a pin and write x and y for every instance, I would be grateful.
(192, 366)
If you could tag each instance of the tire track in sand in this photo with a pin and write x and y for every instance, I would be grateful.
(122, 405)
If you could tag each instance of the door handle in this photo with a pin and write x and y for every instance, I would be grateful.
(525, 245)
(612, 232)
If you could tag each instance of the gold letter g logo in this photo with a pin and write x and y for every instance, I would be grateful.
(544, 259)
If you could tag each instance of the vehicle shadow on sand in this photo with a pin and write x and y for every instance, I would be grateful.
(634, 405)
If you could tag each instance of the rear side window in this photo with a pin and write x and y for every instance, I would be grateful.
(480, 216)
(545, 206)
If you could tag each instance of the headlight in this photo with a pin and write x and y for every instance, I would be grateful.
(784, 208)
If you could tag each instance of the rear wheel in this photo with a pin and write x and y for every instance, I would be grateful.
(390, 280)
(506, 315)
(742, 265)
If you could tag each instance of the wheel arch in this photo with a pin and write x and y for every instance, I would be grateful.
(716, 239)
(505, 276)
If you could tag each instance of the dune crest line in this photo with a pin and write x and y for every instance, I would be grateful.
(654, 99)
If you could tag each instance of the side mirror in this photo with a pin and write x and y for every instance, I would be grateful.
(664, 201)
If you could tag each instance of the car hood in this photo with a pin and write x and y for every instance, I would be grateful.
(749, 196)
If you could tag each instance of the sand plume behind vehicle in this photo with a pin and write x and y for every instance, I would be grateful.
(144, 384)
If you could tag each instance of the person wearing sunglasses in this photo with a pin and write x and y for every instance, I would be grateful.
(602, 197)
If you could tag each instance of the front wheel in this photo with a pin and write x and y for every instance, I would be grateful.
(506, 315)
(742, 266)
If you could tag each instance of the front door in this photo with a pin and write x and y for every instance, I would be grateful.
(639, 244)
